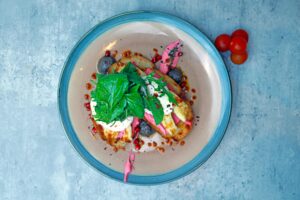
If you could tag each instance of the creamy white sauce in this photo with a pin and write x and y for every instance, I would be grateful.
(153, 138)
(113, 126)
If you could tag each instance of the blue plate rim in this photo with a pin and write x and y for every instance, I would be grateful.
(188, 28)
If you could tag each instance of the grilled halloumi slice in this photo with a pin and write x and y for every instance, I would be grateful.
(169, 125)
(181, 109)
(184, 126)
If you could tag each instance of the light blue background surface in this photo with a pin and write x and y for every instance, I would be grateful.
(259, 157)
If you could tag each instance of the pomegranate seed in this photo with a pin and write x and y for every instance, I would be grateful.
(136, 141)
(87, 106)
(137, 146)
(156, 58)
(107, 53)
(137, 129)
(153, 60)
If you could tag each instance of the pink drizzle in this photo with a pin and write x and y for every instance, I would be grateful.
(128, 165)
(134, 125)
(150, 118)
(164, 66)
(121, 134)
(175, 118)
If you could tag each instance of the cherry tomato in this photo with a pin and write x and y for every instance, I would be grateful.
(239, 58)
(240, 32)
(222, 42)
(238, 45)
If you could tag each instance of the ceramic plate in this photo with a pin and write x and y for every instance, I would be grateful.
(141, 32)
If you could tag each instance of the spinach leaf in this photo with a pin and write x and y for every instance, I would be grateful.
(135, 104)
(133, 76)
(134, 88)
(112, 87)
(109, 96)
(102, 111)
(118, 109)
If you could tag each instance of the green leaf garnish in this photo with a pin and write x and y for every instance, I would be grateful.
(162, 87)
(135, 104)
(124, 94)
(133, 76)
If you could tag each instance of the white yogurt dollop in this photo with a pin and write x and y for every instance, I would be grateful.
(113, 126)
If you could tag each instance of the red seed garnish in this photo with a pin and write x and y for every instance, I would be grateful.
(137, 146)
(156, 58)
(94, 130)
(180, 54)
(87, 106)
(137, 129)
(86, 96)
(88, 86)
(136, 141)
(107, 53)
(94, 76)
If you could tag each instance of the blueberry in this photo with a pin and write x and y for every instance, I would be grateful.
(146, 129)
(104, 63)
(176, 75)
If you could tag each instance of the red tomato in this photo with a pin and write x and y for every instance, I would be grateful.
(238, 45)
(239, 58)
(222, 42)
(240, 32)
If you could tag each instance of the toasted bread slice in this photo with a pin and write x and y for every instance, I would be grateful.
(182, 110)
(140, 61)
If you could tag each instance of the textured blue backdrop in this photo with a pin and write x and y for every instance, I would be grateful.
(258, 157)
